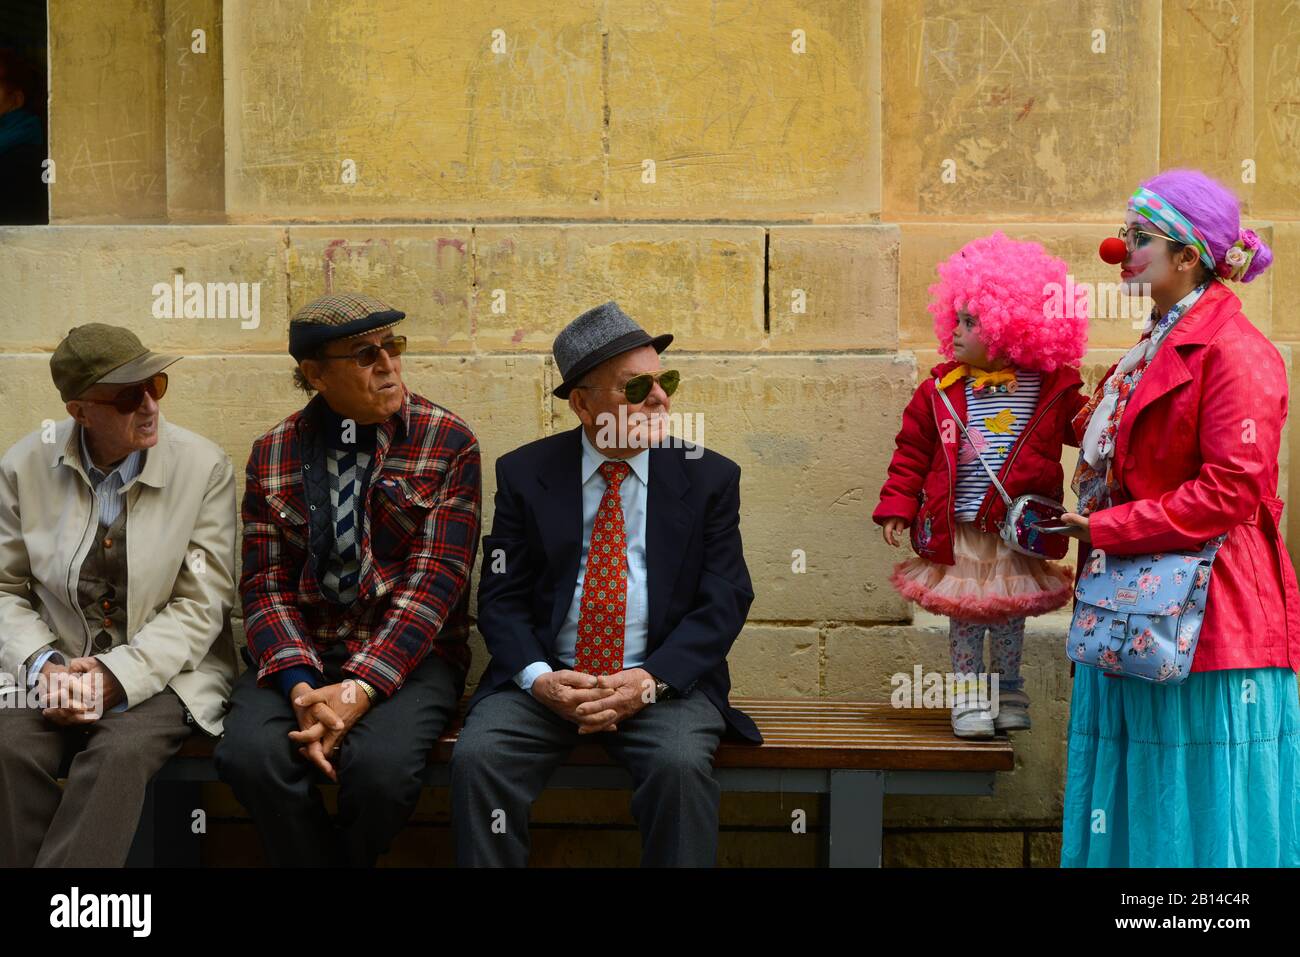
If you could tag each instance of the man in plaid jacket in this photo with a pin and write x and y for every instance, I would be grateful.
(361, 521)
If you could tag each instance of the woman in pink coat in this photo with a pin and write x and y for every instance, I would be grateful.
(1178, 445)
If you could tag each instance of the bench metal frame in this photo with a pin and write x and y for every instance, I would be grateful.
(853, 833)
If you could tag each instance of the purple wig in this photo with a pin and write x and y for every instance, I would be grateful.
(1214, 210)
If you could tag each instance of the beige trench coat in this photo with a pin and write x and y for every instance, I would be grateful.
(180, 558)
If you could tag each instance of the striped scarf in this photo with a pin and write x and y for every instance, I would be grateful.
(343, 564)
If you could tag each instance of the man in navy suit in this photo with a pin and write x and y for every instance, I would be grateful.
(613, 586)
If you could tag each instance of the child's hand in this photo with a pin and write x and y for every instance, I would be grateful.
(892, 528)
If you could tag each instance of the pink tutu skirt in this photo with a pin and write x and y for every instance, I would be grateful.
(988, 583)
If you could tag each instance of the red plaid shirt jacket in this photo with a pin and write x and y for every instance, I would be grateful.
(419, 537)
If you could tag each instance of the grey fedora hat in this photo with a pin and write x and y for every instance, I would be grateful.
(596, 335)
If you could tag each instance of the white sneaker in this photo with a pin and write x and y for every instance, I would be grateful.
(972, 721)
(1013, 711)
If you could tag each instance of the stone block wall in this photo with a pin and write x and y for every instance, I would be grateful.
(774, 183)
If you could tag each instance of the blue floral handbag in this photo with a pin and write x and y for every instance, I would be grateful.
(1140, 615)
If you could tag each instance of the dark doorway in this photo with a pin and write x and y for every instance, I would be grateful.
(24, 125)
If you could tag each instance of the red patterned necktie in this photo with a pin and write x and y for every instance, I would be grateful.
(599, 648)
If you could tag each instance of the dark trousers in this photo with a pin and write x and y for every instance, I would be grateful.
(512, 742)
(379, 766)
(90, 821)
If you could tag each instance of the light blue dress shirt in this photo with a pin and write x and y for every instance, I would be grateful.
(636, 622)
(108, 485)
(108, 490)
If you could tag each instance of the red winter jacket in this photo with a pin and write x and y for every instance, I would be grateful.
(923, 471)
(1197, 455)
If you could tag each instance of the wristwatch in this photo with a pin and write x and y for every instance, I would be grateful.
(662, 690)
(368, 688)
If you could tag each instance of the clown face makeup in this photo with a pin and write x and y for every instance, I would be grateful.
(1149, 261)
(1150, 267)
(966, 344)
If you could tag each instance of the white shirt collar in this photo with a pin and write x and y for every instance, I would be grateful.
(592, 458)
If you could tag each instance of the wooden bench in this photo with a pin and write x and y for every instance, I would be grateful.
(852, 752)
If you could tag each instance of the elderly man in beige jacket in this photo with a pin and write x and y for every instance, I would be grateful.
(117, 556)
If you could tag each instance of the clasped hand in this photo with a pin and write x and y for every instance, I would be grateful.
(80, 691)
(325, 715)
(593, 703)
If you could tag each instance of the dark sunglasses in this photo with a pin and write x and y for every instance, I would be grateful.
(129, 399)
(638, 387)
(368, 354)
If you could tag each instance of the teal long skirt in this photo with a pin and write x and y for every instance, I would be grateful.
(1202, 774)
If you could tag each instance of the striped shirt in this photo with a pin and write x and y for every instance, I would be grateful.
(994, 420)
(108, 486)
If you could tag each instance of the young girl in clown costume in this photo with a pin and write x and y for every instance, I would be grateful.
(1013, 350)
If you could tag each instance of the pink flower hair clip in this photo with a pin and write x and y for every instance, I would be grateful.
(1239, 255)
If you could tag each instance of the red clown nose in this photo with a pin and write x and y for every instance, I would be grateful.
(1112, 250)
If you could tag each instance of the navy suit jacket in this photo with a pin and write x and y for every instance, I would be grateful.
(698, 584)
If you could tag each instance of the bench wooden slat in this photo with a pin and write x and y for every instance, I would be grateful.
(813, 733)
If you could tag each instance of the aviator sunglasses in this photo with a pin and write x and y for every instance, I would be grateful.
(637, 388)
(128, 400)
(368, 354)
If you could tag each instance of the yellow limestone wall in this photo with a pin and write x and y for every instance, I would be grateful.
(503, 156)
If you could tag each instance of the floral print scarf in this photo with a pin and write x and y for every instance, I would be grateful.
(1094, 479)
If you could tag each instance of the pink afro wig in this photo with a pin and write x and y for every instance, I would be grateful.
(1007, 285)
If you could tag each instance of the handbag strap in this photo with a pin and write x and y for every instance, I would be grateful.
(1211, 547)
(961, 425)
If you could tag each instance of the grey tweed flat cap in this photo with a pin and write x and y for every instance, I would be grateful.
(596, 335)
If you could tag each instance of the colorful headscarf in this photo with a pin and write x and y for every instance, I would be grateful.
(1149, 204)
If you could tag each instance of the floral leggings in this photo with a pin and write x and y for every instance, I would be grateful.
(1006, 638)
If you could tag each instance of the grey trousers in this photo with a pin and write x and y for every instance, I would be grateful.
(512, 742)
(91, 821)
(379, 766)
